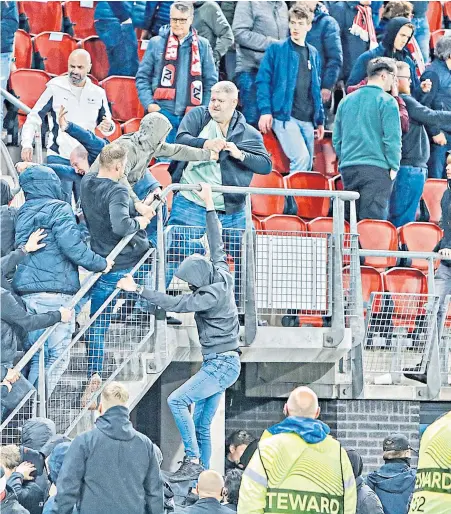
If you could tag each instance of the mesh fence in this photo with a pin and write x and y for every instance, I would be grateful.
(120, 324)
(399, 330)
(294, 276)
(10, 429)
(351, 270)
(181, 242)
(445, 338)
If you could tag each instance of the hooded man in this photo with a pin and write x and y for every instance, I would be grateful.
(367, 500)
(298, 466)
(7, 218)
(398, 33)
(216, 315)
(395, 480)
(47, 279)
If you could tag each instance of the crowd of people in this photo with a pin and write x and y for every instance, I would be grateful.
(212, 80)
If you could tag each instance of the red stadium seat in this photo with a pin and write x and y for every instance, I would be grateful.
(336, 183)
(326, 225)
(420, 237)
(43, 16)
(117, 132)
(280, 161)
(81, 17)
(131, 126)
(265, 205)
(325, 161)
(99, 57)
(161, 173)
(284, 223)
(123, 96)
(405, 280)
(309, 207)
(436, 35)
(23, 49)
(432, 196)
(28, 85)
(54, 48)
(142, 47)
(371, 283)
(257, 222)
(435, 15)
(378, 235)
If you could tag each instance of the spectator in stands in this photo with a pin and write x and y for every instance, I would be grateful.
(210, 489)
(228, 8)
(8, 499)
(439, 98)
(20, 478)
(299, 442)
(55, 463)
(210, 23)
(369, 152)
(255, 26)
(115, 24)
(156, 16)
(216, 318)
(110, 216)
(93, 477)
(86, 105)
(9, 25)
(409, 183)
(397, 35)
(422, 32)
(232, 485)
(47, 279)
(394, 481)
(325, 37)
(7, 218)
(356, 30)
(289, 96)
(178, 69)
(223, 129)
(367, 500)
(236, 443)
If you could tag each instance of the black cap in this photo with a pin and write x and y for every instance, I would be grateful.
(397, 443)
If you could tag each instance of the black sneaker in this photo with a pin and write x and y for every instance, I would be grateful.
(418, 377)
(189, 470)
(170, 320)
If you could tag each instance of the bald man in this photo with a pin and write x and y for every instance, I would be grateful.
(210, 488)
(298, 466)
(86, 105)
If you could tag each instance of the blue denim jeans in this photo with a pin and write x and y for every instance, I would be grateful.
(95, 335)
(248, 96)
(297, 139)
(406, 193)
(437, 160)
(56, 344)
(69, 179)
(5, 68)
(442, 281)
(217, 373)
(175, 122)
(182, 242)
(422, 35)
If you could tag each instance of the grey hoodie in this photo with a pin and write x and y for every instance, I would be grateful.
(147, 143)
(213, 302)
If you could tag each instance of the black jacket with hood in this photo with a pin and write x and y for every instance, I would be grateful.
(111, 469)
(213, 301)
(7, 219)
(10, 504)
(385, 49)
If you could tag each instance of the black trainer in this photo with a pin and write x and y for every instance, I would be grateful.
(189, 470)
(170, 320)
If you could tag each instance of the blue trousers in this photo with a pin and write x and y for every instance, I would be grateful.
(70, 180)
(175, 122)
(245, 81)
(406, 194)
(437, 160)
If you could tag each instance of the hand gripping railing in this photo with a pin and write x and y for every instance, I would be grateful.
(20, 105)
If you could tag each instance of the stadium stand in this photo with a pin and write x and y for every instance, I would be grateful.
(432, 194)
(81, 18)
(378, 235)
(53, 49)
(123, 97)
(264, 206)
(419, 237)
(94, 45)
(42, 16)
(309, 208)
(23, 49)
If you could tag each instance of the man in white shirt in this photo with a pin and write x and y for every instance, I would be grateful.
(86, 105)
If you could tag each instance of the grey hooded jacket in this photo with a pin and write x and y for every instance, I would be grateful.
(147, 143)
(213, 302)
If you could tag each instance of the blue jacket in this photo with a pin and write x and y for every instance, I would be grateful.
(149, 72)
(439, 98)
(385, 49)
(10, 23)
(54, 268)
(325, 37)
(353, 46)
(156, 15)
(393, 483)
(276, 81)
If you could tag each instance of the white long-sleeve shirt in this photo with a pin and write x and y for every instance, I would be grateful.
(86, 110)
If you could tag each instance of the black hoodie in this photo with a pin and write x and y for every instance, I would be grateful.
(111, 469)
(7, 219)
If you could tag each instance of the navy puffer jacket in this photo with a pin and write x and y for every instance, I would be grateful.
(54, 268)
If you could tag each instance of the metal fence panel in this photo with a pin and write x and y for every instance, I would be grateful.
(351, 270)
(445, 338)
(10, 429)
(399, 331)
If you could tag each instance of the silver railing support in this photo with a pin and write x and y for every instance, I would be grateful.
(41, 386)
(250, 306)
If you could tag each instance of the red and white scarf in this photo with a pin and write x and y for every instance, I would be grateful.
(166, 89)
(363, 26)
(417, 56)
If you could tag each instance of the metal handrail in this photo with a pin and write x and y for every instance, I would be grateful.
(403, 254)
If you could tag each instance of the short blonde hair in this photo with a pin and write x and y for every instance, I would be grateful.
(114, 394)
(9, 456)
(111, 154)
